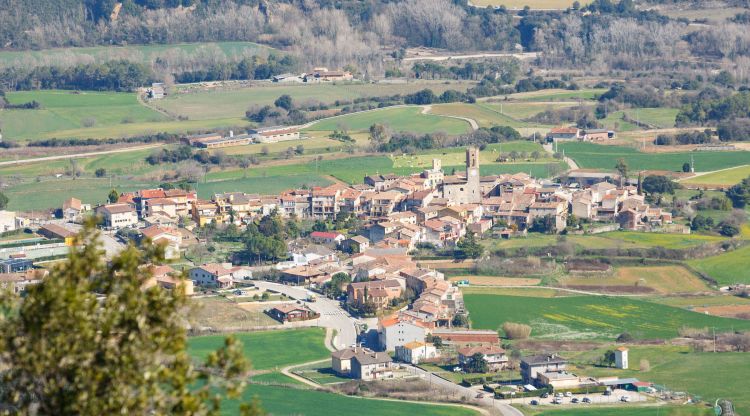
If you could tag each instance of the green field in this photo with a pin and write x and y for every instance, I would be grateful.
(595, 156)
(67, 110)
(672, 241)
(484, 115)
(558, 94)
(284, 401)
(521, 110)
(662, 118)
(201, 105)
(263, 348)
(144, 54)
(263, 185)
(277, 379)
(706, 374)
(727, 268)
(402, 119)
(726, 177)
(51, 193)
(590, 317)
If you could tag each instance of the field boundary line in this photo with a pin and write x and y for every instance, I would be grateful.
(427, 110)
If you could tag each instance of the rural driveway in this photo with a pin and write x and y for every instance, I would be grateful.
(331, 314)
(572, 163)
(427, 109)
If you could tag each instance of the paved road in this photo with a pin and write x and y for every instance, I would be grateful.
(469, 394)
(331, 314)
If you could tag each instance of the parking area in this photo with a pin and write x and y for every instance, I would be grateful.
(594, 398)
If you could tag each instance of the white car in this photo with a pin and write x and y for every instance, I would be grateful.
(568, 394)
(457, 369)
(625, 399)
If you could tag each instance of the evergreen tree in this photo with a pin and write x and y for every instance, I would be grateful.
(92, 340)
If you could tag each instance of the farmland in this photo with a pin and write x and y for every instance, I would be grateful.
(660, 279)
(484, 115)
(589, 317)
(207, 104)
(51, 193)
(262, 348)
(726, 177)
(277, 401)
(700, 373)
(558, 94)
(589, 155)
(402, 119)
(144, 54)
(67, 110)
(727, 268)
(672, 241)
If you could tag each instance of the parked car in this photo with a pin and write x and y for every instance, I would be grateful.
(544, 395)
(586, 400)
(625, 398)
(557, 400)
(456, 369)
(568, 394)
(534, 402)
(608, 392)
(574, 400)
(558, 395)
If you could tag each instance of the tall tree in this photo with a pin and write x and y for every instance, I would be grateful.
(113, 196)
(91, 339)
(622, 168)
(3, 200)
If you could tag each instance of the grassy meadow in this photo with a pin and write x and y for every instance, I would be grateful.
(595, 156)
(208, 104)
(727, 268)
(262, 348)
(727, 177)
(72, 110)
(285, 401)
(401, 119)
(589, 317)
(51, 193)
(660, 279)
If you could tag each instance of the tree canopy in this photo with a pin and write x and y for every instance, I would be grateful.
(94, 339)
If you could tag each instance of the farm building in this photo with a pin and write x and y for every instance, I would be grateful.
(54, 231)
(196, 139)
(274, 134)
(593, 135)
(563, 133)
(231, 140)
(157, 91)
(324, 75)
(286, 78)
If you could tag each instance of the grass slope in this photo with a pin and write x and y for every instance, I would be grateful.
(589, 155)
(727, 268)
(404, 119)
(265, 185)
(201, 105)
(723, 178)
(589, 317)
(66, 110)
(52, 193)
(284, 401)
(263, 348)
